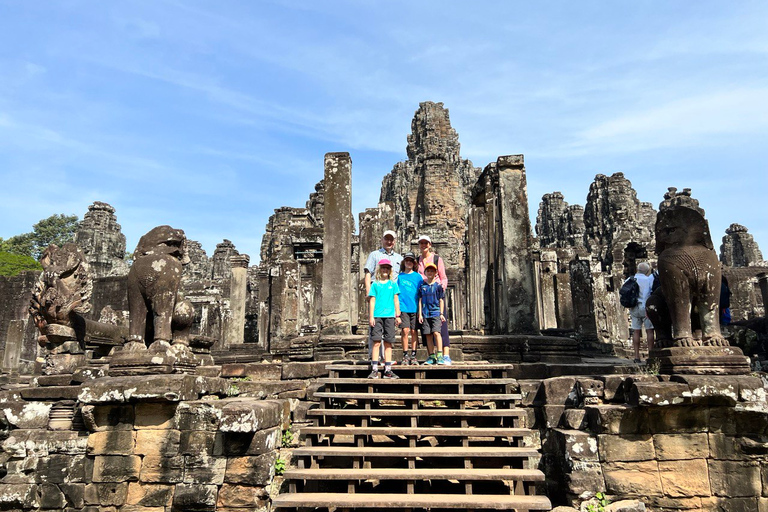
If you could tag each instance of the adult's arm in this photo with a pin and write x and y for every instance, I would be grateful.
(441, 273)
(369, 270)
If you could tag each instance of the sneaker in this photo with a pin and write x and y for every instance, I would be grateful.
(374, 374)
(406, 360)
(447, 361)
(431, 359)
(389, 374)
(414, 361)
(440, 360)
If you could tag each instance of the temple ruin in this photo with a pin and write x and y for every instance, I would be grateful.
(260, 357)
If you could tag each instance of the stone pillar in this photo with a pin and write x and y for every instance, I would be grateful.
(547, 271)
(13, 346)
(582, 296)
(518, 298)
(238, 294)
(564, 300)
(762, 278)
(337, 242)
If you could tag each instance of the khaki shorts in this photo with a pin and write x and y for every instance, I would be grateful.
(638, 317)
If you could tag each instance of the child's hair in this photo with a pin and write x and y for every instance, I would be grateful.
(379, 277)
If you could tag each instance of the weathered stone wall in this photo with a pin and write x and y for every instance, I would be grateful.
(153, 443)
(102, 241)
(15, 294)
(687, 443)
(739, 248)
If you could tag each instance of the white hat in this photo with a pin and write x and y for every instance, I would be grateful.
(425, 237)
(389, 232)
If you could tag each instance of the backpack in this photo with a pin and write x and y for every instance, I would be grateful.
(656, 281)
(629, 293)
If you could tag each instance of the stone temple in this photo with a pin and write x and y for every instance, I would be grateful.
(244, 389)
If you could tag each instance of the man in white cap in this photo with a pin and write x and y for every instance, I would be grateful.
(387, 251)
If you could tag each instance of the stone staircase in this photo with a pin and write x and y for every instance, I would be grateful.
(438, 438)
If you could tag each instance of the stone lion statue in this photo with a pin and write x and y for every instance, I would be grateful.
(689, 271)
(156, 311)
(63, 290)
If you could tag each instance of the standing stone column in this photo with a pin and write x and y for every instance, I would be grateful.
(547, 269)
(238, 294)
(337, 241)
(762, 279)
(13, 347)
(518, 299)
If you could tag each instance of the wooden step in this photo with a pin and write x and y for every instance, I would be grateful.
(394, 501)
(422, 452)
(428, 382)
(445, 397)
(427, 367)
(418, 431)
(437, 411)
(462, 474)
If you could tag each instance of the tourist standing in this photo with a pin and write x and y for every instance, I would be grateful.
(426, 257)
(409, 281)
(637, 314)
(431, 314)
(387, 251)
(384, 316)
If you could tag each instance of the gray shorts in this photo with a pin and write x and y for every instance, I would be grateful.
(384, 330)
(408, 320)
(431, 325)
(639, 318)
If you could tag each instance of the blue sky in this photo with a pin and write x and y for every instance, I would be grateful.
(209, 115)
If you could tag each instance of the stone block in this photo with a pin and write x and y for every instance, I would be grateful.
(730, 504)
(51, 496)
(19, 496)
(552, 415)
(684, 478)
(204, 469)
(106, 494)
(241, 496)
(111, 442)
(15, 445)
(678, 418)
(65, 442)
(560, 391)
(730, 478)
(632, 478)
(711, 389)
(658, 393)
(531, 391)
(208, 371)
(304, 370)
(252, 443)
(211, 386)
(116, 468)
(26, 415)
(613, 388)
(164, 470)
(575, 444)
(193, 442)
(616, 419)
(574, 418)
(626, 447)
(751, 389)
(74, 494)
(665, 502)
(256, 470)
(590, 388)
(157, 442)
(60, 468)
(725, 447)
(256, 371)
(149, 495)
(144, 388)
(200, 414)
(312, 388)
(730, 420)
(50, 393)
(681, 446)
(98, 418)
(269, 388)
(250, 415)
(195, 497)
(156, 416)
(586, 477)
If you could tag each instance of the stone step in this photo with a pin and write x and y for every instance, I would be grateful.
(421, 452)
(445, 397)
(418, 431)
(412, 501)
(461, 474)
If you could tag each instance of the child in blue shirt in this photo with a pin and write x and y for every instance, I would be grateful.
(384, 315)
(409, 281)
(431, 313)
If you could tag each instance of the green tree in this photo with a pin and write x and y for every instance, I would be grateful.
(57, 229)
(12, 264)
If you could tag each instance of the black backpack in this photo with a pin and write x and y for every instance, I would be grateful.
(656, 281)
(629, 293)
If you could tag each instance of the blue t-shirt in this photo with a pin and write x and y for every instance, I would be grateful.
(430, 295)
(385, 298)
(409, 291)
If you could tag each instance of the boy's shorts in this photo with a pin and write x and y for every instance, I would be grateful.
(408, 320)
(384, 330)
(431, 325)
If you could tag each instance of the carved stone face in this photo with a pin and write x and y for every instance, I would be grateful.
(680, 226)
(164, 240)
